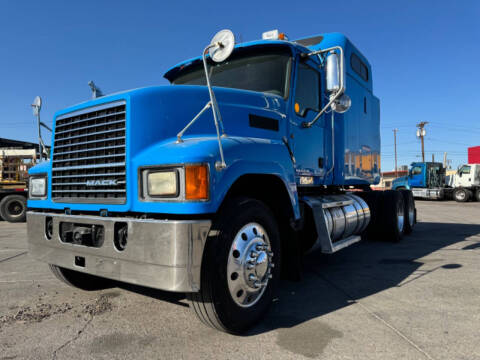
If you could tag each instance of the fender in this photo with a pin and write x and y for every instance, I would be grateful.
(274, 160)
(244, 156)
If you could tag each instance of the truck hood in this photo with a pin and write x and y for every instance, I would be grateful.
(254, 124)
(400, 180)
(158, 113)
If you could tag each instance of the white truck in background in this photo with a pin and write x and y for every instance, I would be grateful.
(428, 180)
(465, 182)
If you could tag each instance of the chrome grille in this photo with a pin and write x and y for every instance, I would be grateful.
(88, 162)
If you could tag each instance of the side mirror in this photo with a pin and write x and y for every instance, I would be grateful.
(334, 64)
(332, 72)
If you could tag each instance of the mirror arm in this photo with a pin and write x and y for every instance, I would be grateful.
(217, 118)
(180, 134)
(342, 83)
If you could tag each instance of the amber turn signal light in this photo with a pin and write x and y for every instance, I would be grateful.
(196, 182)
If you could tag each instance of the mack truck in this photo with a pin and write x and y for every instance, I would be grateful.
(428, 180)
(217, 184)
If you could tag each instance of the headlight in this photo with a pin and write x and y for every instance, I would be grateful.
(162, 183)
(38, 186)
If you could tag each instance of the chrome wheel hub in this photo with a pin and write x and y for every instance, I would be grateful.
(249, 266)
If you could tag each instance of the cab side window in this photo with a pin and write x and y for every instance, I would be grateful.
(307, 92)
(465, 170)
(417, 170)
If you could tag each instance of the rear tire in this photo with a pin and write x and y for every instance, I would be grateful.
(477, 195)
(461, 195)
(393, 216)
(226, 301)
(80, 280)
(13, 208)
(410, 213)
(374, 202)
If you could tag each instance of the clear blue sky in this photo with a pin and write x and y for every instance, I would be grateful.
(425, 56)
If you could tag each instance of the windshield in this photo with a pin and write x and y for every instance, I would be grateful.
(262, 71)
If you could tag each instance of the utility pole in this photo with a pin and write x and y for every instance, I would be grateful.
(421, 134)
(445, 160)
(395, 145)
(433, 157)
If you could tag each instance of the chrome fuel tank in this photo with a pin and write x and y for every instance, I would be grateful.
(338, 219)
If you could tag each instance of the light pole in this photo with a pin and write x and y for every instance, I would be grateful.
(395, 145)
(421, 134)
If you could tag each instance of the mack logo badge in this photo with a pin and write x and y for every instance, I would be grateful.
(101, 182)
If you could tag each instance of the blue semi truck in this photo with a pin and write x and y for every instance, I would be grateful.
(219, 183)
(428, 180)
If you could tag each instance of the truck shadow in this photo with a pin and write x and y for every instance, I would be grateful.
(332, 282)
(335, 281)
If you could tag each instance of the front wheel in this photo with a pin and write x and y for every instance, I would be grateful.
(13, 208)
(461, 195)
(80, 280)
(241, 267)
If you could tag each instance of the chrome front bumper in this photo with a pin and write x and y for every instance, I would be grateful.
(162, 254)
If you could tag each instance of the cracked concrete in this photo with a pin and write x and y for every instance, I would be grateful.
(418, 299)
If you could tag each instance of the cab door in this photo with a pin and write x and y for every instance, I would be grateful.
(417, 176)
(308, 143)
(464, 176)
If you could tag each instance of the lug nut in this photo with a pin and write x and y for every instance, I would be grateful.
(261, 247)
(254, 254)
(269, 253)
(252, 278)
(250, 266)
(271, 265)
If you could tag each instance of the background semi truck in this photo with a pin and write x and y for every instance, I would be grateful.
(217, 184)
(428, 180)
(14, 165)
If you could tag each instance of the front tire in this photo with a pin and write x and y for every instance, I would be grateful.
(241, 267)
(461, 195)
(13, 208)
(79, 280)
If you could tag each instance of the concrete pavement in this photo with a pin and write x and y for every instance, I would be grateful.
(418, 299)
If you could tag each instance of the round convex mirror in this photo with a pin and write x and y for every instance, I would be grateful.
(224, 42)
(342, 104)
(37, 105)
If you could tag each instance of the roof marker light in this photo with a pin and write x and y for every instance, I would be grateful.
(274, 35)
(270, 35)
